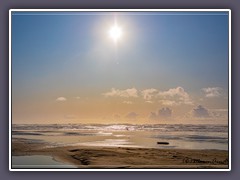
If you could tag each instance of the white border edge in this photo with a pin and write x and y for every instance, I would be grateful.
(120, 10)
(229, 91)
(10, 90)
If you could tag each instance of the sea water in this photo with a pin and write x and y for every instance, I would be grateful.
(179, 136)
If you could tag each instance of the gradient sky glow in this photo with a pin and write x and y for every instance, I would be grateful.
(166, 67)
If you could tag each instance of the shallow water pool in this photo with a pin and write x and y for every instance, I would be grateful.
(37, 161)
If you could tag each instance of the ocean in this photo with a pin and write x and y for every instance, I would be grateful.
(178, 136)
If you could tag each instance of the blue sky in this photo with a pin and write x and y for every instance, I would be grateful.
(69, 54)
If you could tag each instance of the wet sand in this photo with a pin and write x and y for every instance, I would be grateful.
(125, 157)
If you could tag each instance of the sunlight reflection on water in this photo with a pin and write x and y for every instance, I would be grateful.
(178, 136)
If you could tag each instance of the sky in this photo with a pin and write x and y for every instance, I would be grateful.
(166, 67)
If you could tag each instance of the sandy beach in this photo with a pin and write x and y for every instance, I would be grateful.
(125, 157)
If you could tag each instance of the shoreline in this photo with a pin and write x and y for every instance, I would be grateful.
(126, 157)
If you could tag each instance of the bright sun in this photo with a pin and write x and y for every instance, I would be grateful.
(115, 32)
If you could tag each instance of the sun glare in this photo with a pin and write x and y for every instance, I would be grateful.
(115, 33)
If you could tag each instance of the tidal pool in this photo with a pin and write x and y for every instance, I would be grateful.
(37, 162)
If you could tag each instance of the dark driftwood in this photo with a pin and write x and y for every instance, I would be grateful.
(165, 143)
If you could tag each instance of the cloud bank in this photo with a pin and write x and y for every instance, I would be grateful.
(162, 113)
(174, 96)
(122, 93)
(201, 112)
(171, 97)
(148, 93)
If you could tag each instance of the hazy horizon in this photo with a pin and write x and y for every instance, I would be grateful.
(120, 67)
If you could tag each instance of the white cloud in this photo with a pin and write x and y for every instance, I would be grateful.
(171, 97)
(175, 96)
(61, 99)
(168, 102)
(212, 91)
(178, 91)
(133, 92)
(148, 93)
